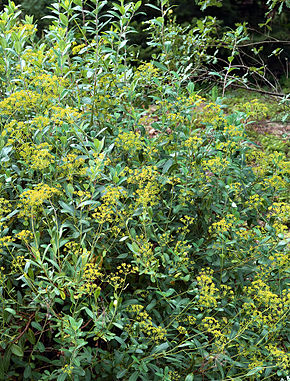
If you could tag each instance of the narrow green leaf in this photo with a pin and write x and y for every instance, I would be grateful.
(16, 350)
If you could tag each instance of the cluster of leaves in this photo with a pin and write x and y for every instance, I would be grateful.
(136, 244)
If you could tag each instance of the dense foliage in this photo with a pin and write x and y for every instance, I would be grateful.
(143, 235)
(267, 21)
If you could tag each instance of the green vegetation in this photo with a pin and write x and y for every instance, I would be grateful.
(143, 234)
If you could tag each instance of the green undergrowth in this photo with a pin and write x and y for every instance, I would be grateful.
(270, 143)
(127, 254)
(258, 106)
(268, 119)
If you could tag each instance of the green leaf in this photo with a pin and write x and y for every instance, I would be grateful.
(159, 65)
(11, 311)
(254, 370)
(17, 350)
(134, 376)
(122, 373)
(137, 5)
(62, 377)
(240, 30)
(160, 348)
(99, 144)
(70, 188)
(67, 208)
(234, 330)
(63, 19)
(153, 6)
(167, 165)
(190, 87)
(36, 326)
(27, 372)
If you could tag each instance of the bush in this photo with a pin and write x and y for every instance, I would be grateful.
(136, 244)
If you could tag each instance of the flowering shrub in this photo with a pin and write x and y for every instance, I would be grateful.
(125, 256)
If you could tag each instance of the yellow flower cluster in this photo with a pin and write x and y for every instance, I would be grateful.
(193, 143)
(51, 85)
(211, 113)
(60, 115)
(187, 221)
(279, 160)
(133, 142)
(91, 275)
(7, 240)
(24, 235)
(81, 196)
(37, 156)
(236, 188)
(5, 209)
(266, 307)
(31, 201)
(182, 330)
(190, 319)
(155, 333)
(181, 254)
(165, 238)
(18, 132)
(208, 292)
(21, 30)
(98, 166)
(73, 247)
(21, 101)
(176, 118)
(187, 194)
(226, 292)
(145, 72)
(73, 165)
(245, 233)
(212, 326)
(67, 369)
(18, 263)
(215, 165)
(282, 359)
(280, 261)
(228, 147)
(174, 375)
(279, 210)
(276, 182)
(224, 225)
(281, 228)
(147, 192)
(185, 110)
(117, 280)
(130, 141)
(234, 131)
(77, 48)
(2, 275)
(256, 363)
(254, 109)
(108, 211)
(40, 122)
(144, 255)
(34, 59)
(193, 101)
(255, 201)
(275, 163)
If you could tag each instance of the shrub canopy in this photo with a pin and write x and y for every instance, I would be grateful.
(142, 237)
